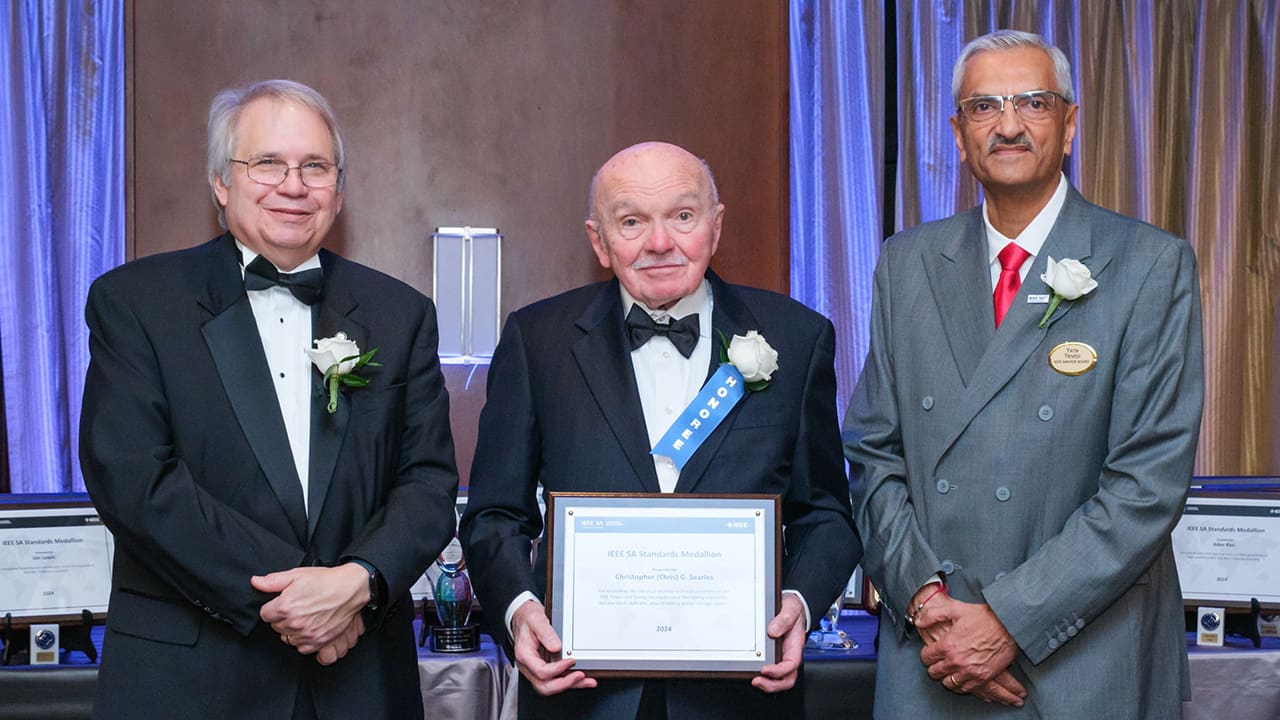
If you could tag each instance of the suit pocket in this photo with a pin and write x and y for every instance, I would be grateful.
(383, 399)
(153, 619)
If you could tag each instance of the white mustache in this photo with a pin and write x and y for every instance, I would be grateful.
(999, 140)
(671, 258)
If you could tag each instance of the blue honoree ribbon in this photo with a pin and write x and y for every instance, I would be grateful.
(703, 415)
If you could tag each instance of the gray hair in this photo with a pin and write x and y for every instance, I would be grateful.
(224, 116)
(595, 182)
(1010, 40)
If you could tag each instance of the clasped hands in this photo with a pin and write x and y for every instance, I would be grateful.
(536, 642)
(316, 609)
(967, 648)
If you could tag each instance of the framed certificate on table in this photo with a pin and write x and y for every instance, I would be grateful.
(55, 559)
(652, 585)
(1227, 545)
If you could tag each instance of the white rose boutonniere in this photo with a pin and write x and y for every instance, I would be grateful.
(338, 358)
(752, 355)
(1069, 280)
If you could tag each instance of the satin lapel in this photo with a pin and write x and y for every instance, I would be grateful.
(605, 362)
(732, 317)
(329, 430)
(1019, 335)
(957, 277)
(232, 338)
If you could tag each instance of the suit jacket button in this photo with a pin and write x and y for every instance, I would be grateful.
(1002, 493)
(943, 486)
(1080, 624)
(1062, 637)
(1053, 643)
(1072, 631)
(1045, 413)
(948, 567)
(927, 402)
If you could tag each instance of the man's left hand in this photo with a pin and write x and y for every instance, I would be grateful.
(975, 649)
(314, 606)
(788, 625)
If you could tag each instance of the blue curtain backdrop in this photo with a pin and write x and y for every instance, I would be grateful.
(837, 166)
(61, 218)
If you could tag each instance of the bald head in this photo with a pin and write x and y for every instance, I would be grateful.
(647, 152)
(654, 220)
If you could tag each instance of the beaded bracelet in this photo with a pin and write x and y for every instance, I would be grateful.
(911, 616)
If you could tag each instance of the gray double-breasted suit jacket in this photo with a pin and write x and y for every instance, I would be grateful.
(1048, 496)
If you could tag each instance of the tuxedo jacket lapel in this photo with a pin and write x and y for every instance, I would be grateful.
(330, 316)
(732, 317)
(604, 359)
(232, 338)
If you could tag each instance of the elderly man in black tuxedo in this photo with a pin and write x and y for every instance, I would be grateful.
(268, 522)
(581, 388)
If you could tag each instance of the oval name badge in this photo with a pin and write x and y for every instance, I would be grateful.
(1073, 358)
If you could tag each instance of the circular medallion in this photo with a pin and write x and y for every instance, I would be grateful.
(1210, 621)
(45, 639)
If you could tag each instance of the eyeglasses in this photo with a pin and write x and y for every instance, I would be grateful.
(1033, 105)
(316, 174)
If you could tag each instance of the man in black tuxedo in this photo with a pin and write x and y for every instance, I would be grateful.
(583, 385)
(265, 540)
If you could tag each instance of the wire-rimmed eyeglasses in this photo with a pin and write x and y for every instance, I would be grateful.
(1031, 105)
(316, 174)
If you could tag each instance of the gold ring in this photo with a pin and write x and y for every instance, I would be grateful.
(954, 684)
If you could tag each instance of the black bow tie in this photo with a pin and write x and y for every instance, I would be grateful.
(682, 333)
(261, 274)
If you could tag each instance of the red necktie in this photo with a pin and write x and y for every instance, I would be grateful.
(1011, 259)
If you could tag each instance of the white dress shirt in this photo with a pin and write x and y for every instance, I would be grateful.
(667, 380)
(284, 325)
(1030, 239)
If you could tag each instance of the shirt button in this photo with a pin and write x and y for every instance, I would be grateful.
(1002, 493)
(948, 567)
(671, 464)
(1045, 413)
(667, 410)
(926, 402)
(943, 486)
(665, 354)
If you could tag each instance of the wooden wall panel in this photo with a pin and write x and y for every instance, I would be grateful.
(479, 112)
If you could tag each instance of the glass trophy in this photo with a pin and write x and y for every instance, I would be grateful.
(452, 592)
(830, 636)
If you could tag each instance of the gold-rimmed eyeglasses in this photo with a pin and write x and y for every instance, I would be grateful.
(1032, 105)
(316, 174)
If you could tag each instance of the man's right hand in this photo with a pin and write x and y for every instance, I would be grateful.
(535, 640)
(1004, 688)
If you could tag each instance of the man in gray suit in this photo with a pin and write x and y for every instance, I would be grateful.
(1022, 435)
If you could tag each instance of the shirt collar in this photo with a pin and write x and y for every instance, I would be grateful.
(697, 302)
(1033, 236)
(247, 256)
